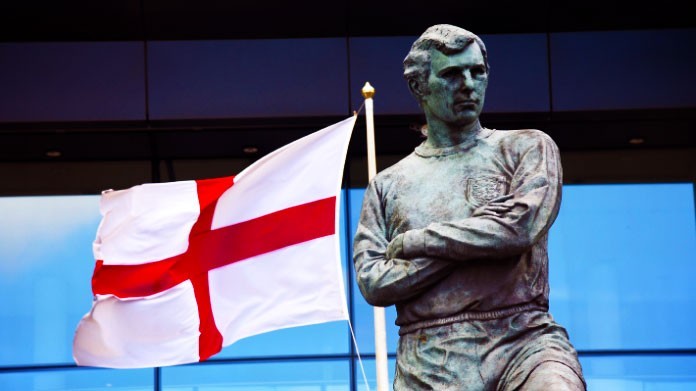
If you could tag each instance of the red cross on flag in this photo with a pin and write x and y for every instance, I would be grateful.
(185, 268)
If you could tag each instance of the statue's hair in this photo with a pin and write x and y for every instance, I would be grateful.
(448, 40)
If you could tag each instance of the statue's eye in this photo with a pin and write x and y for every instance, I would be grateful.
(449, 74)
(478, 71)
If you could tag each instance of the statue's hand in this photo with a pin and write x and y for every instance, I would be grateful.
(395, 249)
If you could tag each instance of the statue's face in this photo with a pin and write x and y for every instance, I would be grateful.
(457, 86)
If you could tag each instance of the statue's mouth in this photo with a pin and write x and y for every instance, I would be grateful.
(465, 104)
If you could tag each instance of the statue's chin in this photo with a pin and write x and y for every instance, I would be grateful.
(467, 117)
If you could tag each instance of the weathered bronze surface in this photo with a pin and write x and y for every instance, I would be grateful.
(455, 235)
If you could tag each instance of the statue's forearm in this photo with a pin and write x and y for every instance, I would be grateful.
(489, 234)
(383, 279)
(384, 282)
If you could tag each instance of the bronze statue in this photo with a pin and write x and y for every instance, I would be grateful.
(455, 235)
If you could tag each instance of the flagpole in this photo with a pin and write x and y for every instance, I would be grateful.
(380, 322)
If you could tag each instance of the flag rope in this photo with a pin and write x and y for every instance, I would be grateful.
(357, 352)
(359, 110)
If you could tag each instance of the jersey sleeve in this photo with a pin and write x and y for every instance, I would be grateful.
(385, 281)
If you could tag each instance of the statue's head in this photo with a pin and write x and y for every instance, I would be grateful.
(447, 72)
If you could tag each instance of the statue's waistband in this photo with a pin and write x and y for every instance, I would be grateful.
(470, 315)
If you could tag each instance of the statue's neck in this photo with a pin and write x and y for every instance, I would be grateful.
(442, 135)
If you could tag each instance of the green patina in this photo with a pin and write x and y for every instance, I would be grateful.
(455, 236)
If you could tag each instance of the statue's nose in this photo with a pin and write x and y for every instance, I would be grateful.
(467, 80)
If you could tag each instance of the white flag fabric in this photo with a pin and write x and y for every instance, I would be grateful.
(185, 268)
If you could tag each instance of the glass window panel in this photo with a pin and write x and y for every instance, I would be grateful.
(72, 81)
(517, 86)
(370, 368)
(86, 379)
(622, 266)
(288, 375)
(185, 78)
(626, 68)
(640, 373)
(380, 60)
(363, 324)
(46, 266)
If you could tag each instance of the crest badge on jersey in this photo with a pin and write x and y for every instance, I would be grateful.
(483, 189)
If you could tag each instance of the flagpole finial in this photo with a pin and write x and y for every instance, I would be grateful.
(368, 91)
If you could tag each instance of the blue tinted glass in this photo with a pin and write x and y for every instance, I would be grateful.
(371, 373)
(276, 376)
(363, 321)
(363, 324)
(185, 78)
(625, 69)
(640, 373)
(46, 266)
(80, 379)
(622, 266)
(72, 81)
(380, 60)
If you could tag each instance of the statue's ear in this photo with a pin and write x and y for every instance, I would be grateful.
(415, 87)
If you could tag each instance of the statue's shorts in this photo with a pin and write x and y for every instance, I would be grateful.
(524, 351)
